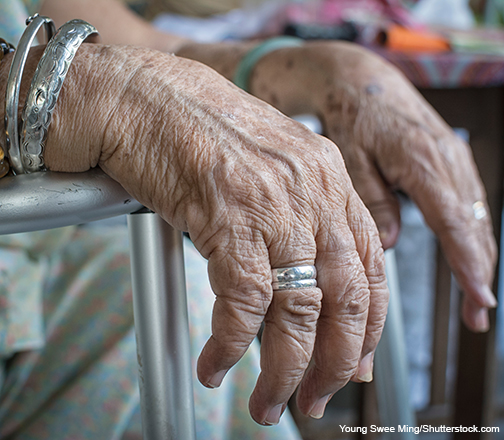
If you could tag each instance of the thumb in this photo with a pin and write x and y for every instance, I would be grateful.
(381, 202)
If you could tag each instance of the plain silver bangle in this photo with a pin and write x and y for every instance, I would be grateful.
(45, 88)
(34, 23)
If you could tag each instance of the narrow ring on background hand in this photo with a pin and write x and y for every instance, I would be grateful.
(479, 210)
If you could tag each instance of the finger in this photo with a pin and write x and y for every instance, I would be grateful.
(289, 330)
(443, 181)
(463, 237)
(377, 196)
(342, 324)
(372, 257)
(475, 317)
(240, 275)
(286, 348)
(467, 242)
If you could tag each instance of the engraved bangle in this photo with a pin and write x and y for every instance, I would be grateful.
(45, 88)
(34, 23)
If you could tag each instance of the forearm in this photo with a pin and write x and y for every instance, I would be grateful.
(116, 23)
(289, 78)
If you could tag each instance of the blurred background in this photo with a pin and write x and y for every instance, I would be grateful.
(453, 52)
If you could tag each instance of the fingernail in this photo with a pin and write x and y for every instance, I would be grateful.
(365, 372)
(481, 321)
(216, 379)
(488, 297)
(274, 414)
(385, 236)
(318, 409)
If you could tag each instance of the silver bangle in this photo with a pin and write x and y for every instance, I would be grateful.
(45, 88)
(33, 23)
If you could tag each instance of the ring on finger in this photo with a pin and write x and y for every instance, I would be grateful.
(297, 277)
(479, 210)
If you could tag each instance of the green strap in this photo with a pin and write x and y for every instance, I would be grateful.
(248, 62)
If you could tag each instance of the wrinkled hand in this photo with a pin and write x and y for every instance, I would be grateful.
(256, 191)
(392, 139)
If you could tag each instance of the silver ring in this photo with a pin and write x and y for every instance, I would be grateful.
(45, 88)
(299, 284)
(479, 210)
(34, 23)
(294, 277)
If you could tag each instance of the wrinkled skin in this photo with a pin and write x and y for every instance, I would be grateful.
(255, 190)
(389, 135)
(391, 139)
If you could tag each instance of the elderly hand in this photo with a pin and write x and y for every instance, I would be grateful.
(389, 136)
(392, 139)
(256, 191)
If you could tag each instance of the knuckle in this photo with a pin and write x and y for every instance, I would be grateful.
(252, 303)
(337, 377)
(356, 306)
(355, 300)
(236, 323)
(494, 253)
(298, 310)
(375, 268)
(306, 303)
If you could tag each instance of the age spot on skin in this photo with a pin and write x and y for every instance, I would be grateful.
(262, 88)
(290, 63)
(332, 105)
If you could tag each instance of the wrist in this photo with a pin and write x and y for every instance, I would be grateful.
(291, 79)
(243, 71)
(145, 102)
(222, 57)
(74, 138)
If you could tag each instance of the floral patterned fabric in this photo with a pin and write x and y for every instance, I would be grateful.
(81, 383)
(67, 345)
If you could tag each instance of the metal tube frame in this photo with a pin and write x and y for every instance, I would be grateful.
(162, 328)
(391, 364)
(46, 200)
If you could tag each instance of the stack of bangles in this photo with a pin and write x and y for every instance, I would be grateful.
(25, 152)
